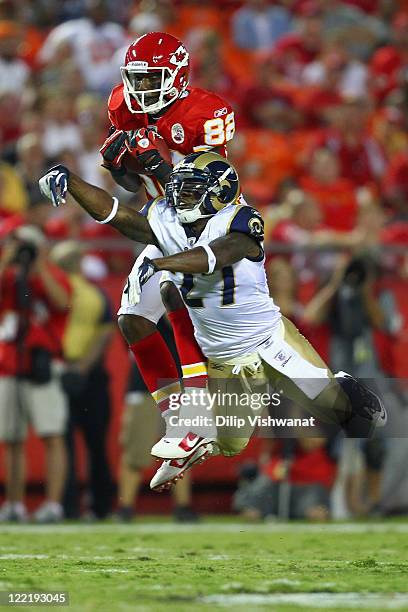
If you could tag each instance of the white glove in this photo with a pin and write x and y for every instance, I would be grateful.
(54, 184)
(137, 278)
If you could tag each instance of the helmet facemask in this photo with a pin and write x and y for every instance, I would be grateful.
(201, 185)
(190, 193)
(161, 93)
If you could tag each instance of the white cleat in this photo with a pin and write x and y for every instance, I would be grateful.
(171, 471)
(179, 448)
(179, 441)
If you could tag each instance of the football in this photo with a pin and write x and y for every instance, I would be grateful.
(133, 164)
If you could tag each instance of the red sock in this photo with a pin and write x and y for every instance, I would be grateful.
(193, 362)
(157, 367)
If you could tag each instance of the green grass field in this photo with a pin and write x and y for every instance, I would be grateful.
(218, 564)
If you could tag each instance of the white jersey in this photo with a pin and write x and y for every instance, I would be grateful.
(231, 309)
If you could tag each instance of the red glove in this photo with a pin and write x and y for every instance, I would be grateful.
(113, 149)
(143, 140)
(150, 150)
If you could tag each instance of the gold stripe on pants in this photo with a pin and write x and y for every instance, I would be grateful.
(330, 406)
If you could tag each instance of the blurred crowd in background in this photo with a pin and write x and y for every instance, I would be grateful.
(320, 93)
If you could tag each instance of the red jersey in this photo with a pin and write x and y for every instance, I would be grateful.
(337, 201)
(308, 467)
(46, 322)
(385, 66)
(198, 121)
(362, 163)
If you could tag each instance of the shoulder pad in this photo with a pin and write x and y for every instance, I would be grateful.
(148, 208)
(247, 220)
(210, 105)
(116, 98)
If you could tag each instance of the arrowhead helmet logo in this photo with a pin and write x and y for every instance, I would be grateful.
(180, 56)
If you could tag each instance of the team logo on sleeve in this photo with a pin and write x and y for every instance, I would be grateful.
(177, 133)
(255, 224)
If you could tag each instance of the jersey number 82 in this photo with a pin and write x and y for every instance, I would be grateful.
(218, 131)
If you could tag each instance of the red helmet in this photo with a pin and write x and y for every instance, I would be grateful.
(155, 72)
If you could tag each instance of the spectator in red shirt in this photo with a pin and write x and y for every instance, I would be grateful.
(292, 298)
(294, 482)
(36, 214)
(361, 158)
(388, 62)
(297, 49)
(303, 228)
(303, 224)
(395, 185)
(334, 194)
(338, 72)
(34, 299)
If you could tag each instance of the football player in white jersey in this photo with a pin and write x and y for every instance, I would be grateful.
(213, 250)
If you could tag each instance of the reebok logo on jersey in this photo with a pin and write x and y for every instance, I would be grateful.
(220, 112)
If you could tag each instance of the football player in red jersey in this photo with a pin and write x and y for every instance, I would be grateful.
(154, 107)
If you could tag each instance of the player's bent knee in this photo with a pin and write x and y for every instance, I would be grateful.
(171, 296)
(135, 328)
(231, 446)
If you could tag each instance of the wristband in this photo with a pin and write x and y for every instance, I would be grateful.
(212, 260)
(112, 213)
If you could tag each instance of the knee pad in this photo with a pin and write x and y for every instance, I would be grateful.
(367, 409)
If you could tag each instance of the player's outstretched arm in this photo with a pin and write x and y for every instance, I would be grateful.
(222, 252)
(97, 202)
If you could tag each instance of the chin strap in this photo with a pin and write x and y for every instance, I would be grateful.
(194, 220)
(196, 208)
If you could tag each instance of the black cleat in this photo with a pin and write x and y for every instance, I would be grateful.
(368, 411)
